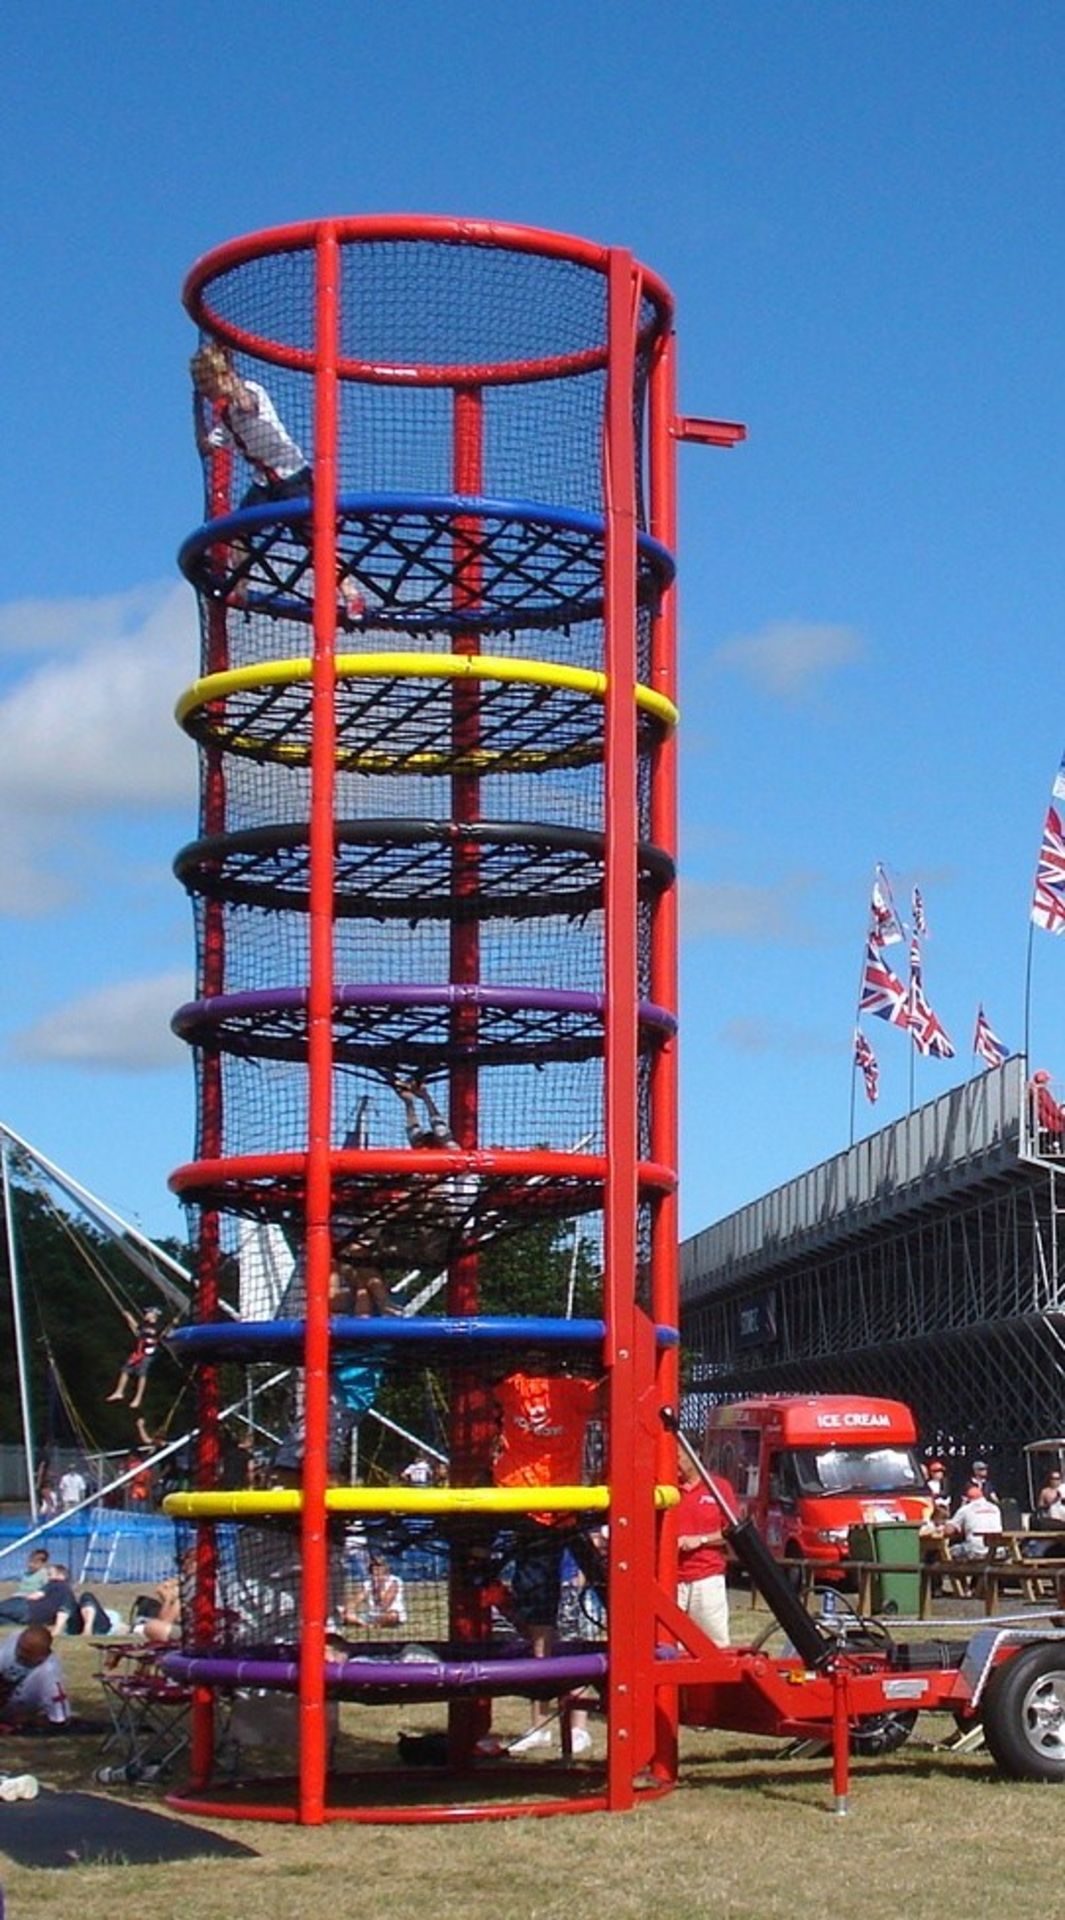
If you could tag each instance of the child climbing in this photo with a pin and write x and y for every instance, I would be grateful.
(246, 419)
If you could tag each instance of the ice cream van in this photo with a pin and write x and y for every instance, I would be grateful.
(807, 1470)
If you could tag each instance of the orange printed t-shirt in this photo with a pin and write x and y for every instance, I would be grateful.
(543, 1422)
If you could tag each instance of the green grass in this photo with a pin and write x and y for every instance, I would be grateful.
(747, 1834)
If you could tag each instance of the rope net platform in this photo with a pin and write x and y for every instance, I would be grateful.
(433, 1179)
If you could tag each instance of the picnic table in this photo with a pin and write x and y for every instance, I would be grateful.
(1040, 1580)
(1039, 1577)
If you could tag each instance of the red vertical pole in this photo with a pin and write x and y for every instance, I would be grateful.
(665, 1305)
(465, 942)
(841, 1740)
(629, 1549)
(211, 1144)
(313, 1732)
(468, 1439)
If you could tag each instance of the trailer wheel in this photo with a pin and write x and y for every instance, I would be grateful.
(881, 1733)
(1024, 1714)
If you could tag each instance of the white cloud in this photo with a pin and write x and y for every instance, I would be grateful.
(93, 727)
(784, 658)
(123, 1028)
(88, 729)
(732, 911)
(54, 626)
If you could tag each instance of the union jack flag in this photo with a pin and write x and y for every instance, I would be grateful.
(1048, 906)
(929, 1034)
(987, 1044)
(865, 1058)
(885, 927)
(920, 924)
(882, 991)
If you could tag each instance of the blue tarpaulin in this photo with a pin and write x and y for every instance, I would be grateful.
(101, 1546)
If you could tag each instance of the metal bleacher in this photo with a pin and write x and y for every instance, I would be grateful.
(925, 1262)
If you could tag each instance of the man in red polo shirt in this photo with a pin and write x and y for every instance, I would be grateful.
(701, 1561)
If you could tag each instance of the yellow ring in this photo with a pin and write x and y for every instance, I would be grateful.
(410, 666)
(238, 1505)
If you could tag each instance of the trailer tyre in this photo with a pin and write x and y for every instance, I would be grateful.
(881, 1733)
(1024, 1714)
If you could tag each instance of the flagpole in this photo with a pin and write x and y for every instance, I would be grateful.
(1028, 996)
(857, 1023)
(21, 1360)
(912, 1011)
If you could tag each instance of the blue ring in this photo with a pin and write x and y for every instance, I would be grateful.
(223, 1339)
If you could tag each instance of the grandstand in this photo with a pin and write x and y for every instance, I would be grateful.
(925, 1262)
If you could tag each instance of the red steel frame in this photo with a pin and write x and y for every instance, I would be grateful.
(313, 1729)
(642, 1711)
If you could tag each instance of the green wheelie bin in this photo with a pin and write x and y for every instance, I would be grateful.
(898, 1547)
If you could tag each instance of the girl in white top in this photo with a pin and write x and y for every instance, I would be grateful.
(249, 422)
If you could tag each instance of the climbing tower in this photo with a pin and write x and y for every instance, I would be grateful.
(435, 722)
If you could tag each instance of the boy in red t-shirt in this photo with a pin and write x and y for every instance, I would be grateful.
(543, 1426)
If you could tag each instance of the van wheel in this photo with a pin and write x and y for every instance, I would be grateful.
(1024, 1714)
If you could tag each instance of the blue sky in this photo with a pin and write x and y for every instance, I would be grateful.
(859, 208)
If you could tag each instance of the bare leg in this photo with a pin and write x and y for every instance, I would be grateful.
(541, 1640)
(381, 1297)
(120, 1387)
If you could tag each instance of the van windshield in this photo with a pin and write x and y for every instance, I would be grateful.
(857, 1470)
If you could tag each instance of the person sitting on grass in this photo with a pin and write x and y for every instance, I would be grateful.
(61, 1610)
(379, 1601)
(31, 1680)
(156, 1618)
(15, 1608)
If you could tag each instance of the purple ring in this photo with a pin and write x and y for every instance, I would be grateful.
(269, 1021)
(549, 999)
(283, 1675)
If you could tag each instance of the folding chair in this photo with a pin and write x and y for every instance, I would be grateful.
(149, 1715)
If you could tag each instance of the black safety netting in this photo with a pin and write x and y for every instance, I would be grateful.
(265, 1104)
(268, 949)
(551, 1269)
(269, 793)
(390, 1582)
